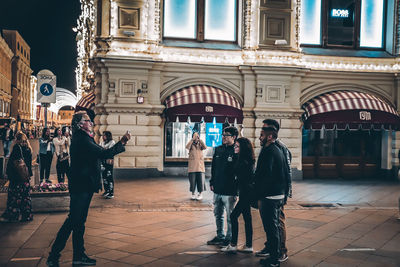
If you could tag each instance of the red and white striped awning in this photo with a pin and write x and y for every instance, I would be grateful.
(87, 101)
(349, 110)
(201, 94)
(345, 100)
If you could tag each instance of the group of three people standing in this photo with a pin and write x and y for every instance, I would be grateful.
(270, 185)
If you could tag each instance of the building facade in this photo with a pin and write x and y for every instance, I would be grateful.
(166, 68)
(21, 77)
(6, 58)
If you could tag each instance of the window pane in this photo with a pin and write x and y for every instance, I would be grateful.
(341, 22)
(371, 23)
(220, 20)
(310, 23)
(180, 18)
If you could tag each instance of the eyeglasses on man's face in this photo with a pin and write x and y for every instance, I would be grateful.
(226, 135)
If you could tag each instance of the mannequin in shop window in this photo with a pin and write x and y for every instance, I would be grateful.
(196, 168)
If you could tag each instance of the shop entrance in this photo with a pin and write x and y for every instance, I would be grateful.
(341, 154)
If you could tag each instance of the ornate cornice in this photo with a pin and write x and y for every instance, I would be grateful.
(278, 114)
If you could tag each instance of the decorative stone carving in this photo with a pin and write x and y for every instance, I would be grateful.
(129, 18)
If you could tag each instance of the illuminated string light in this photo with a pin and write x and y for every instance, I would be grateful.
(85, 46)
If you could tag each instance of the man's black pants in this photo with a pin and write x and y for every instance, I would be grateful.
(75, 223)
(269, 212)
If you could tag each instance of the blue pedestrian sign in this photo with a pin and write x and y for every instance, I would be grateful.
(213, 134)
(46, 84)
(46, 89)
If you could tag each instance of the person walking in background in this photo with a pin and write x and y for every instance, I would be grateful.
(108, 165)
(83, 181)
(244, 169)
(282, 227)
(65, 131)
(7, 136)
(61, 149)
(196, 168)
(46, 152)
(271, 187)
(222, 183)
(18, 200)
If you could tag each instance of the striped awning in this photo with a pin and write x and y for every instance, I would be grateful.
(203, 103)
(349, 109)
(87, 101)
(201, 94)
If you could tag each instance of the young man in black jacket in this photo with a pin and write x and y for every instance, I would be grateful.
(282, 227)
(271, 187)
(223, 185)
(84, 180)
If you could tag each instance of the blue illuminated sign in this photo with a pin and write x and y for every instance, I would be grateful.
(213, 134)
(340, 13)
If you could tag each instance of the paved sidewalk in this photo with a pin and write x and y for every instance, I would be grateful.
(152, 222)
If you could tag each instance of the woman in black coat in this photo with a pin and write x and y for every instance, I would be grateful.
(244, 169)
(19, 200)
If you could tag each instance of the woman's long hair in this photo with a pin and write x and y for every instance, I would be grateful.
(246, 151)
(44, 134)
(56, 132)
(108, 136)
(22, 140)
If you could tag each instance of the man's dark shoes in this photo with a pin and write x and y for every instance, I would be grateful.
(283, 257)
(225, 242)
(52, 262)
(84, 260)
(216, 241)
(263, 253)
(269, 262)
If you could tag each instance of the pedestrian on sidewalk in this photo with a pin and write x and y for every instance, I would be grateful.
(282, 226)
(108, 166)
(222, 183)
(84, 180)
(7, 136)
(19, 201)
(61, 149)
(196, 168)
(46, 152)
(244, 170)
(271, 187)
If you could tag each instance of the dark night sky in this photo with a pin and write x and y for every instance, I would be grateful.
(46, 25)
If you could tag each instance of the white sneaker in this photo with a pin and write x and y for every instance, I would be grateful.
(229, 249)
(199, 196)
(193, 197)
(246, 249)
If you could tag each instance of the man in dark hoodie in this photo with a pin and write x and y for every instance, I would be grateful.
(84, 179)
(223, 185)
(271, 187)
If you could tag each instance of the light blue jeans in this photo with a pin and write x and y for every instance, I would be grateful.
(221, 203)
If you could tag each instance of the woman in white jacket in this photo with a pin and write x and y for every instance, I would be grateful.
(61, 144)
(196, 168)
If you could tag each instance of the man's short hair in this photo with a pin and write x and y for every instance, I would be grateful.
(272, 122)
(270, 130)
(76, 119)
(232, 130)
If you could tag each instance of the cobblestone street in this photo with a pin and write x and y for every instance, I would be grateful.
(152, 222)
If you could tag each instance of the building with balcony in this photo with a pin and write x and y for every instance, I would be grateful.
(21, 77)
(327, 70)
(6, 58)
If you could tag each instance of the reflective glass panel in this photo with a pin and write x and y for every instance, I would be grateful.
(180, 19)
(220, 20)
(310, 23)
(371, 27)
(341, 22)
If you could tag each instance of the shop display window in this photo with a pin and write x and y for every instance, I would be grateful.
(178, 134)
(343, 23)
(200, 20)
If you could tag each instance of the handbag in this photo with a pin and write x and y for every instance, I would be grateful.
(64, 156)
(21, 170)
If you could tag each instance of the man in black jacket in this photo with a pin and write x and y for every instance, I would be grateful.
(84, 179)
(271, 187)
(7, 136)
(282, 227)
(222, 183)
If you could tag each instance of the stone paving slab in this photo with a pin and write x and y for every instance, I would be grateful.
(153, 223)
